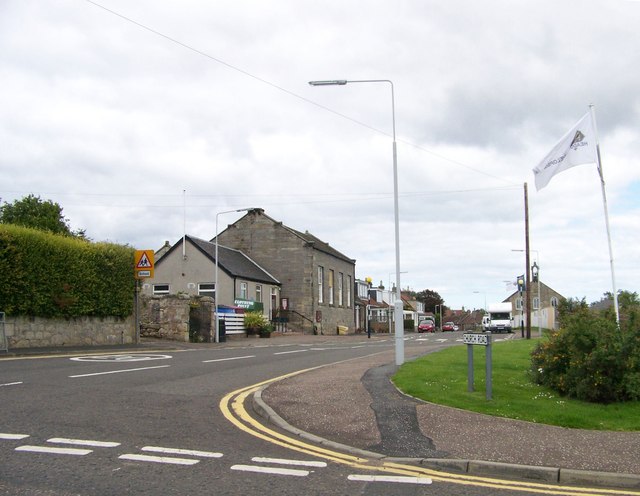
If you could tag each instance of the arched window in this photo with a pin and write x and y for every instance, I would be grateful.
(554, 302)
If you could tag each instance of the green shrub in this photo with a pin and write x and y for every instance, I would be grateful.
(48, 275)
(590, 358)
(255, 320)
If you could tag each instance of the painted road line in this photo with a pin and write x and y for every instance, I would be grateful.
(4, 435)
(158, 459)
(271, 470)
(390, 478)
(227, 359)
(11, 384)
(176, 451)
(289, 352)
(119, 371)
(282, 461)
(54, 451)
(83, 442)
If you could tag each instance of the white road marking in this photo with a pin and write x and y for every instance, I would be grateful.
(226, 359)
(282, 461)
(83, 442)
(4, 435)
(119, 371)
(11, 384)
(158, 459)
(54, 451)
(119, 358)
(318, 349)
(176, 451)
(388, 478)
(288, 352)
(270, 470)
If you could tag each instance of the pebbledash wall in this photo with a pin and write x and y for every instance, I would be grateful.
(38, 332)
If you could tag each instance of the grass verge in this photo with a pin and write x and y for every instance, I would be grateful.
(441, 378)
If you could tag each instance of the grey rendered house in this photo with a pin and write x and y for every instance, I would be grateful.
(317, 281)
(188, 267)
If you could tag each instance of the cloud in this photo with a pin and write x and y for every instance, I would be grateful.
(114, 116)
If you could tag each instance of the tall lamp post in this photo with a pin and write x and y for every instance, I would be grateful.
(217, 292)
(390, 274)
(399, 324)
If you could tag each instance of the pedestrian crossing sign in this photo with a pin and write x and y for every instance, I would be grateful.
(144, 264)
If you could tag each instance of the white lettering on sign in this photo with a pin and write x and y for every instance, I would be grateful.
(479, 339)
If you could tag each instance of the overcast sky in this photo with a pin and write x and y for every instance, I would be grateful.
(124, 112)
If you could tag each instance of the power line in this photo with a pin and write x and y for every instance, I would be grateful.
(289, 92)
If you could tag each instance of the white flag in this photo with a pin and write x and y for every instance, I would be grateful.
(577, 147)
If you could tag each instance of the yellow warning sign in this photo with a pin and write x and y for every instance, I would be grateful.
(143, 264)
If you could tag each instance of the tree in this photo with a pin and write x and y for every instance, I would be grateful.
(31, 211)
(430, 299)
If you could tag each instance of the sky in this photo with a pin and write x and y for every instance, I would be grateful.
(147, 119)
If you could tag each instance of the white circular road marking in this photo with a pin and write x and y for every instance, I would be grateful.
(120, 358)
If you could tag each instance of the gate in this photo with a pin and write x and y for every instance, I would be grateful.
(200, 324)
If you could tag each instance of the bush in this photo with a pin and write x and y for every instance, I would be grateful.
(48, 275)
(590, 358)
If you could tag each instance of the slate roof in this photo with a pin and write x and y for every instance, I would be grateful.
(233, 262)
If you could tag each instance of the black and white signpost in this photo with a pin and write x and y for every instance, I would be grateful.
(478, 339)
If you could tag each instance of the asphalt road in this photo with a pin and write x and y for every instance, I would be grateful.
(150, 423)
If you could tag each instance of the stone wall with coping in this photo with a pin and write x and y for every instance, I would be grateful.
(38, 332)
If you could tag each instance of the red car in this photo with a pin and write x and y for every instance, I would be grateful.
(448, 326)
(426, 326)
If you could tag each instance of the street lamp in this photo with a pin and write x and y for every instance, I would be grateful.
(399, 324)
(485, 299)
(217, 292)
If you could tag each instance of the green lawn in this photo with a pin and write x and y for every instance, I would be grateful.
(441, 378)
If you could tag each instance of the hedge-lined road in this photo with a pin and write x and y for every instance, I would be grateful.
(150, 424)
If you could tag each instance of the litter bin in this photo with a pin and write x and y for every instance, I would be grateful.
(222, 331)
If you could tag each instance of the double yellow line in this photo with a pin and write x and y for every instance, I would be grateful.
(233, 408)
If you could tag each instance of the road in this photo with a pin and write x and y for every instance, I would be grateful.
(175, 422)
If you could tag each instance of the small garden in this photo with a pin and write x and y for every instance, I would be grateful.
(586, 375)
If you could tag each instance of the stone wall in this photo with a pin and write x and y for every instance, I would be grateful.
(165, 317)
(37, 332)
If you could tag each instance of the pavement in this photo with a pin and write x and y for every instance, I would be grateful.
(353, 406)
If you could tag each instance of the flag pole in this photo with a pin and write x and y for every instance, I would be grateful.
(606, 215)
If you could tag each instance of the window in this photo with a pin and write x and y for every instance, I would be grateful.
(160, 289)
(243, 291)
(330, 286)
(519, 304)
(554, 302)
(207, 289)
(320, 284)
(340, 295)
(258, 293)
(536, 303)
(349, 286)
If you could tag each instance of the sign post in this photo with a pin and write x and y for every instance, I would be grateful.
(479, 339)
(143, 265)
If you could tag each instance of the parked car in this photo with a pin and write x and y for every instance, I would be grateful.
(448, 326)
(426, 326)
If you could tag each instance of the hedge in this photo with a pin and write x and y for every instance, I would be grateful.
(47, 275)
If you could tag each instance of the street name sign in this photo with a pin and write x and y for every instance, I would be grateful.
(472, 338)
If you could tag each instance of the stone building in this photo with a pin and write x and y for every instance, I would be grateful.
(317, 280)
